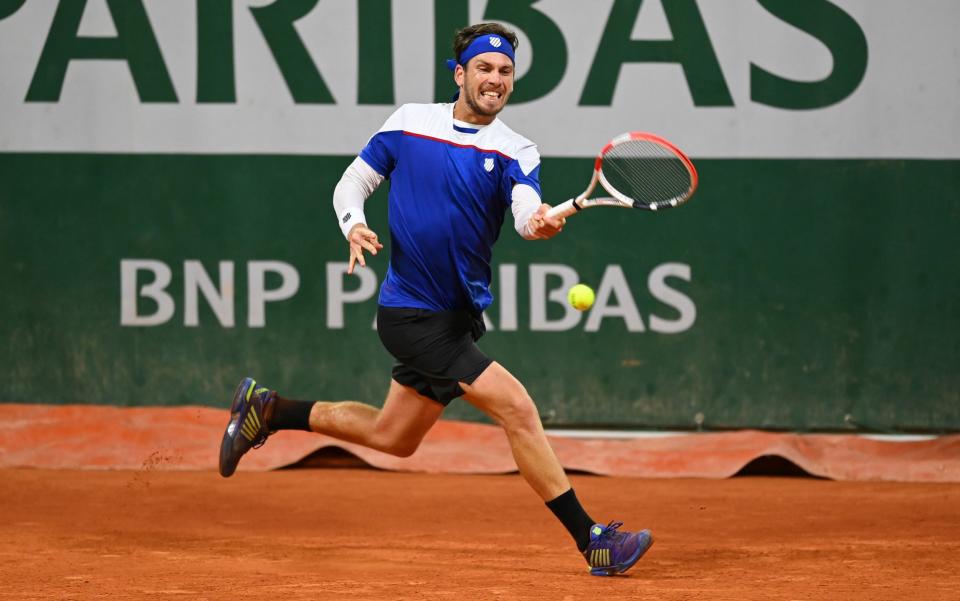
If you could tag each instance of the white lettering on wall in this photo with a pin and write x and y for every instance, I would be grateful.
(337, 296)
(657, 284)
(548, 286)
(155, 290)
(539, 297)
(507, 299)
(220, 300)
(614, 284)
(259, 296)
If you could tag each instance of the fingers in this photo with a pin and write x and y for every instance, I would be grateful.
(362, 238)
(356, 253)
(543, 218)
(366, 238)
(370, 246)
(356, 256)
(544, 226)
(555, 222)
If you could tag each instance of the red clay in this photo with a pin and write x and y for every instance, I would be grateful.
(188, 438)
(366, 534)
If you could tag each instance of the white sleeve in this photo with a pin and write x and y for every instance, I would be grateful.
(357, 184)
(525, 202)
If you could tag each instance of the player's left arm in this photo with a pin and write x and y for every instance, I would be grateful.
(529, 211)
(530, 217)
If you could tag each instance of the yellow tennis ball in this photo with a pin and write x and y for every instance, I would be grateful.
(581, 297)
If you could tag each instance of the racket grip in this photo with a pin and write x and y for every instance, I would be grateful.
(564, 209)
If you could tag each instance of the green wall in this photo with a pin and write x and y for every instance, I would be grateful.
(823, 288)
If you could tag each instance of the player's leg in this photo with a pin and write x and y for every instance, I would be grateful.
(500, 395)
(414, 402)
(257, 411)
(439, 356)
(397, 429)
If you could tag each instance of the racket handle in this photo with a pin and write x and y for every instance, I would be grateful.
(564, 209)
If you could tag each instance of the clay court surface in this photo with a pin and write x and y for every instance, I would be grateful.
(369, 534)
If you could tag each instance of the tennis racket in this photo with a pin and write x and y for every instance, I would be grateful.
(639, 171)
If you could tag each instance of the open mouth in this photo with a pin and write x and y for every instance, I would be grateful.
(490, 94)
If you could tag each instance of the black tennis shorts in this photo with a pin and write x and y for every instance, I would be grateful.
(434, 351)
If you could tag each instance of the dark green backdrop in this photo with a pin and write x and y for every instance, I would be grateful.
(824, 289)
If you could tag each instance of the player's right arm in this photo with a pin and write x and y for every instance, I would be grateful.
(359, 181)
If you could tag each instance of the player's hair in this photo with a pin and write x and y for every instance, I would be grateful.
(468, 34)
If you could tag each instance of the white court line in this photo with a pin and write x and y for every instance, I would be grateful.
(630, 434)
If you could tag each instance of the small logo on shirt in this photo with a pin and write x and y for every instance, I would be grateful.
(495, 41)
(488, 164)
(347, 217)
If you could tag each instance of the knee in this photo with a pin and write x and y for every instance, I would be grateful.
(399, 447)
(519, 414)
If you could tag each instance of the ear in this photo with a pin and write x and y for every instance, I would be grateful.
(459, 75)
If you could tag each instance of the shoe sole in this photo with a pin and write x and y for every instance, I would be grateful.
(622, 567)
(229, 458)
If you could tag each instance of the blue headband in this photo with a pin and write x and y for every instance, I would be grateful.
(479, 45)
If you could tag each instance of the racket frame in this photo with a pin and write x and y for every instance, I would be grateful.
(616, 199)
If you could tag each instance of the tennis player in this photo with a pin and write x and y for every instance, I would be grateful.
(454, 169)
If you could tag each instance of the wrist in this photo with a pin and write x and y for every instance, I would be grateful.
(351, 219)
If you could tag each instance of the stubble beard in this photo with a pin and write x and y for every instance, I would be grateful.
(475, 106)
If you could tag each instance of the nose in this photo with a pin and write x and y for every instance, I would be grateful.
(494, 77)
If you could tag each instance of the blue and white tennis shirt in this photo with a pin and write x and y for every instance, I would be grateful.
(450, 186)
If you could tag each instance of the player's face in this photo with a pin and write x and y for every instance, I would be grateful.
(486, 85)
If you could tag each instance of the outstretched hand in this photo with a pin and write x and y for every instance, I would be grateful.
(361, 238)
(543, 227)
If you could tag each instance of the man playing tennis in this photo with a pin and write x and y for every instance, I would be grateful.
(454, 170)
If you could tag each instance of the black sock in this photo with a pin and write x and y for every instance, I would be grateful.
(569, 511)
(290, 415)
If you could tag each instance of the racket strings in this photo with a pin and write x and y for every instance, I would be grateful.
(646, 171)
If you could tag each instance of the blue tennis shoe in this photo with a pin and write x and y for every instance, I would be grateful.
(251, 411)
(613, 552)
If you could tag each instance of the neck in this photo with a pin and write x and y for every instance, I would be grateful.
(462, 112)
